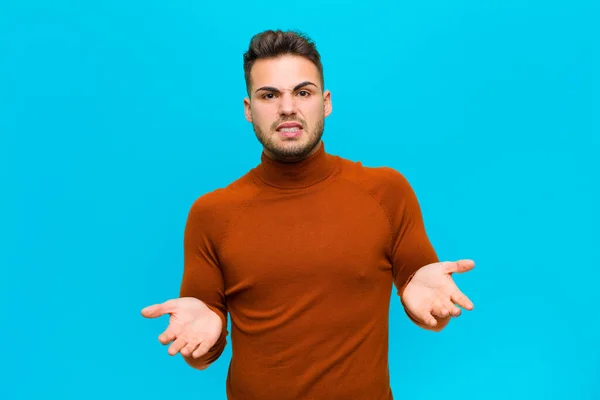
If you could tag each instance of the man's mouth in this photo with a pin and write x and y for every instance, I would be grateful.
(289, 129)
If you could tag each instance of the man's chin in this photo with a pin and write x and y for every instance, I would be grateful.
(291, 150)
(288, 148)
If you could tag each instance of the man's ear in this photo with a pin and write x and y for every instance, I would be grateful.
(247, 109)
(327, 107)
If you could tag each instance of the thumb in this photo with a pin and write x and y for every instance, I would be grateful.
(460, 266)
(157, 310)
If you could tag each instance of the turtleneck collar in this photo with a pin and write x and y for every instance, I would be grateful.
(295, 175)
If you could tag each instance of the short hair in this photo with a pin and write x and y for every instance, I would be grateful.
(275, 43)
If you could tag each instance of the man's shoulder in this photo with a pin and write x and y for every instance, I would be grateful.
(386, 185)
(379, 181)
(226, 199)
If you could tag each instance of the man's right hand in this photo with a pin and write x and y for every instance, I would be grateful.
(193, 327)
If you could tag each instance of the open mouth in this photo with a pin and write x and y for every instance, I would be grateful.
(290, 129)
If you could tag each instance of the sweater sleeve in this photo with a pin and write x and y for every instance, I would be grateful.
(202, 275)
(411, 247)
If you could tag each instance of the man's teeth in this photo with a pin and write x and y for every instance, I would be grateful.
(294, 129)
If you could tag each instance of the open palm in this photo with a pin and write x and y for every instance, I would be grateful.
(193, 327)
(432, 292)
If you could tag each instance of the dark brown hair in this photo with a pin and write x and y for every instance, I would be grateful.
(275, 43)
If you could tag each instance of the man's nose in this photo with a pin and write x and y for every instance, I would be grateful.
(287, 104)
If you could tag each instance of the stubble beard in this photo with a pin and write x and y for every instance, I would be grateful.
(292, 150)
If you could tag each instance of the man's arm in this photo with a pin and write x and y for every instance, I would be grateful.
(411, 247)
(202, 275)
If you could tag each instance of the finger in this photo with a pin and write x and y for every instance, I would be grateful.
(167, 336)
(426, 316)
(459, 266)
(452, 309)
(176, 346)
(202, 349)
(157, 310)
(189, 348)
(152, 311)
(439, 310)
(459, 298)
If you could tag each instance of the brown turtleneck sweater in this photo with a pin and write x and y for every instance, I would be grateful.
(303, 257)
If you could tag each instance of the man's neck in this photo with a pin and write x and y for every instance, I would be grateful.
(300, 173)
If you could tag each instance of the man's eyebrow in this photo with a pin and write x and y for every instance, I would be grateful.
(275, 90)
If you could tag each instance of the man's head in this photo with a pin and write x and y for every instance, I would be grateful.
(286, 104)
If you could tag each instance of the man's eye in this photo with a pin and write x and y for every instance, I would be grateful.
(268, 96)
(303, 93)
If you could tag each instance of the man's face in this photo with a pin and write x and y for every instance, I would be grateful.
(287, 106)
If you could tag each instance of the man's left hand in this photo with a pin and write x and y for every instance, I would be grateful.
(431, 294)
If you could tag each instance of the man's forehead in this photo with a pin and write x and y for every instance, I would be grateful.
(284, 72)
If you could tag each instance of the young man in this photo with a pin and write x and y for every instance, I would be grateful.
(303, 252)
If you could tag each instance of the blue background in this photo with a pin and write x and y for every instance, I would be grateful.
(116, 115)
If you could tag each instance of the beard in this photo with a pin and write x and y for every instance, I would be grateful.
(290, 150)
